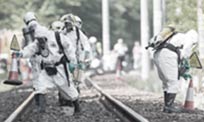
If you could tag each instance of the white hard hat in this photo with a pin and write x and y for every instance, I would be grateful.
(78, 21)
(92, 39)
(67, 18)
(165, 33)
(57, 25)
(29, 16)
(191, 35)
(68, 21)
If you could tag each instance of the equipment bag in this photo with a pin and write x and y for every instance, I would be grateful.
(51, 70)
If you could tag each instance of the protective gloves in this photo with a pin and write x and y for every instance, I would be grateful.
(184, 69)
(72, 67)
(186, 76)
(82, 66)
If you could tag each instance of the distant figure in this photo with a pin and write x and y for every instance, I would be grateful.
(96, 47)
(3, 66)
(111, 60)
(120, 49)
(99, 48)
(93, 41)
(136, 52)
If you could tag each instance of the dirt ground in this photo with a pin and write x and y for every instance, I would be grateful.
(147, 104)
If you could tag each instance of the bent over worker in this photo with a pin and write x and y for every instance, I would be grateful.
(170, 47)
(53, 65)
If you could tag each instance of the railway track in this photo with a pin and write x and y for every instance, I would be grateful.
(20, 109)
(147, 104)
(125, 113)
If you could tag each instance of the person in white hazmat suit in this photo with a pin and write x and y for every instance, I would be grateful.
(57, 26)
(53, 71)
(170, 47)
(72, 29)
(34, 61)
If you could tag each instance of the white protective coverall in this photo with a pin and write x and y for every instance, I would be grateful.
(167, 60)
(35, 61)
(59, 80)
(83, 44)
(83, 50)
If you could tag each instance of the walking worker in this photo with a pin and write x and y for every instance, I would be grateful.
(58, 26)
(170, 48)
(136, 52)
(54, 57)
(120, 48)
(72, 29)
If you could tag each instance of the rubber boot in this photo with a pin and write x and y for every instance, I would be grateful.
(76, 106)
(40, 101)
(78, 89)
(165, 98)
(169, 104)
(62, 100)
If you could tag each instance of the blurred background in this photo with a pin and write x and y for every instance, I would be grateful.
(124, 15)
(109, 20)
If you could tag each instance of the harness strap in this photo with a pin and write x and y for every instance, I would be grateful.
(177, 51)
(64, 59)
(174, 49)
(77, 43)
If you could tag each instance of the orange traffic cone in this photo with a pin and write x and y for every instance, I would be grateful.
(189, 103)
(13, 73)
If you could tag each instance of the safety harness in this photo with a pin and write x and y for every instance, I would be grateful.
(77, 43)
(173, 48)
(64, 59)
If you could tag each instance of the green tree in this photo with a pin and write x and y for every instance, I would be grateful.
(124, 15)
(182, 13)
(125, 20)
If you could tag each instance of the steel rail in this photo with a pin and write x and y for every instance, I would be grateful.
(126, 111)
(14, 116)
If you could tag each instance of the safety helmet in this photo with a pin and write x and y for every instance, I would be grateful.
(57, 25)
(29, 16)
(78, 22)
(68, 21)
(166, 32)
(92, 39)
(192, 36)
(69, 18)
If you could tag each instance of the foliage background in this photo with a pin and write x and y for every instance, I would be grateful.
(182, 13)
(124, 15)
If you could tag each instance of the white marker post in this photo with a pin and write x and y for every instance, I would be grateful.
(106, 33)
(144, 39)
